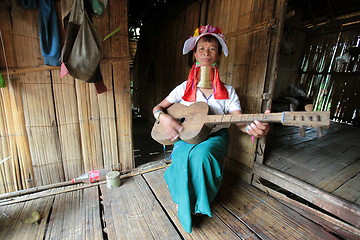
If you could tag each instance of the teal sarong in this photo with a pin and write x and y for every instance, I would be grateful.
(195, 175)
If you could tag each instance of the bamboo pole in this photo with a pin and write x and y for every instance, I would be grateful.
(4, 146)
(26, 174)
(10, 169)
(34, 190)
(63, 184)
(5, 159)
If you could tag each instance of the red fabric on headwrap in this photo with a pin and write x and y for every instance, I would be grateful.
(220, 91)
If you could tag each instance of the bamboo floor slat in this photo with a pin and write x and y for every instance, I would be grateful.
(265, 216)
(141, 208)
(12, 217)
(75, 215)
(209, 228)
(331, 163)
(133, 212)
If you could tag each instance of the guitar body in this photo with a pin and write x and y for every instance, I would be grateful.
(192, 120)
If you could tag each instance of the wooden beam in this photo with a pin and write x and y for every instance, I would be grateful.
(41, 68)
(344, 210)
(272, 69)
(271, 23)
(27, 69)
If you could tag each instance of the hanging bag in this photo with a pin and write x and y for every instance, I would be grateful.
(81, 52)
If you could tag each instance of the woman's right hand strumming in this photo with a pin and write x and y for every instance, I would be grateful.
(171, 126)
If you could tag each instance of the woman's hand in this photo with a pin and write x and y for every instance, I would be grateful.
(171, 126)
(257, 128)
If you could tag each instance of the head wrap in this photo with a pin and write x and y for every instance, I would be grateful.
(202, 31)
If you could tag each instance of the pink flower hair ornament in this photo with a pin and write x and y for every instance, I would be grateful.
(202, 31)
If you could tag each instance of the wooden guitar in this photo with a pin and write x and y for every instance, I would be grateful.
(197, 124)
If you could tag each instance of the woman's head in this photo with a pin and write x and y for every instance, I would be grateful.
(209, 33)
(209, 38)
(207, 50)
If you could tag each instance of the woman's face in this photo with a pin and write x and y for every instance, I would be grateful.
(207, 52)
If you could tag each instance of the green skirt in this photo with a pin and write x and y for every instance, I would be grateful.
(195, 175)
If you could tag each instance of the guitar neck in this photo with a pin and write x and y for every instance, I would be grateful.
(244, 118)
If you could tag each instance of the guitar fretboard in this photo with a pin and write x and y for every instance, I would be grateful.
(244, 118)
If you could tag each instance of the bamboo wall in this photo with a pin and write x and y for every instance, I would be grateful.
(248, 27)
(291, 53)
(159, 65)
(55, 129)
(333, 85)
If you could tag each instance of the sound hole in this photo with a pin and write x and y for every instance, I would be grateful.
(181, 120)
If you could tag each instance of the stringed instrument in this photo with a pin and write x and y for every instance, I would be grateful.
(197, 124)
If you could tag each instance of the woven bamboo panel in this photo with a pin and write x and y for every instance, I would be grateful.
(67, 118)
(118, 16)
(123, 114)
(55, 129)
(41, 127)
(25, 34)
(245, 24)
(108, 119)
(89, 125)
(6, 34)
(332, 85)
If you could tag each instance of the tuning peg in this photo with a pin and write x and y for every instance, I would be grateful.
(309, 107)
(302, 131)
(319, 132)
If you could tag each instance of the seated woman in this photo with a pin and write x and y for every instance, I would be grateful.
(195, 175)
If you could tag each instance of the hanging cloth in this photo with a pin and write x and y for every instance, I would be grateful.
(81, 52)
(29, 4)
(65, 9)
(220, 91)
(49, 33)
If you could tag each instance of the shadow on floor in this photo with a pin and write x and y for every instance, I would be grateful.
(145, 148)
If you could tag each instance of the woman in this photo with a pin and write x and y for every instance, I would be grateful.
(195, 174)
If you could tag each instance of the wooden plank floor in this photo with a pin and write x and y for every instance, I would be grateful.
(331, 163)
(141, 208)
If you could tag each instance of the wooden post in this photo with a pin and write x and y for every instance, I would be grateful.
(271, 74)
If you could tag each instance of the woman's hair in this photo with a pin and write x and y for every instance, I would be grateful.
(210, 38)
